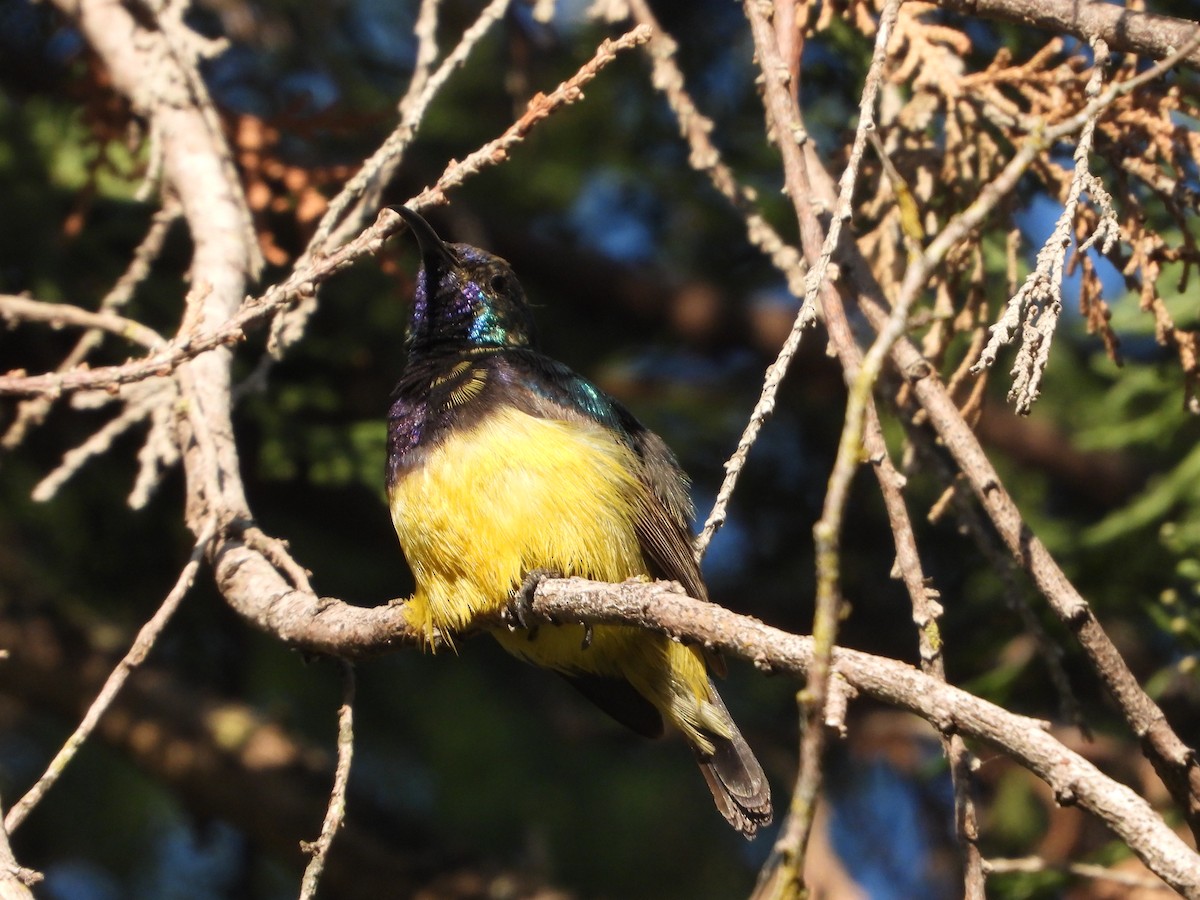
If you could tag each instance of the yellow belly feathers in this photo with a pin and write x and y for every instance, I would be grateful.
(516, 493)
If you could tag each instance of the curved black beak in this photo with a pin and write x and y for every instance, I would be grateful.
(433, 249)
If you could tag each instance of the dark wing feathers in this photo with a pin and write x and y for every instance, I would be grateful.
(544, 387)
(662, 525)
(620, 700)
(662, 473)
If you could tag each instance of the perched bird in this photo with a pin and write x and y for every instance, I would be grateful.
(504, 465)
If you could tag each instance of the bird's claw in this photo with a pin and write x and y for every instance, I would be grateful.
(519, 612)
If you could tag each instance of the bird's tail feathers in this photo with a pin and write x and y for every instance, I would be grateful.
(737, 781)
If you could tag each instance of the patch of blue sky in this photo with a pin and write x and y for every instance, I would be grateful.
(879, 824)
(78, 879)
(192, 862)
(612, 214)
(382, 31)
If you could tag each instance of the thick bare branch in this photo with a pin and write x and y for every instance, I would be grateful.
(662, 607)
(1143, 33)
(329, 626)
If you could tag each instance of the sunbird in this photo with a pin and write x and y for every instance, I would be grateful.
(504, 466)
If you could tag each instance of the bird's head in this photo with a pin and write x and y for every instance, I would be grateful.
(465, 297)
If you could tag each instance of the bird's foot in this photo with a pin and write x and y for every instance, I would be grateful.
(519, 612)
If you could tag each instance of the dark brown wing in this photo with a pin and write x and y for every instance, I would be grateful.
(662, 525)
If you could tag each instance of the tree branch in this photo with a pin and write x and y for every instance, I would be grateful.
(695, 127)
(662, 607)
(207, 335)
(329, 626)
(14, 879)
(1143, 33)
(783, 116)
(25, 309)
(808, 184)
(155, 66)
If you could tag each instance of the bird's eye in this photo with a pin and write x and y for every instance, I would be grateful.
(499, 284)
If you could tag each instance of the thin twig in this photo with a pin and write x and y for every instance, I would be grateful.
(335, 814)
(425, 31)
(142, 645)
(792, 843)
(379, 168)
(32, 412)
(1034, 309)
(361, 195)
(827, 531)
(695, 128)
(1083, 870)
(276, 550)
(14, 879)
(144, 400)
(758, 416)
(926, 614)
(540, 106)
(24, 309)
(304, 281)
(160, 451)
